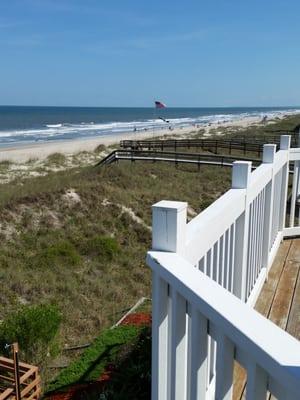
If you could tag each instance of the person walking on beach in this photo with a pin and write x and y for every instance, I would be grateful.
(264, 120)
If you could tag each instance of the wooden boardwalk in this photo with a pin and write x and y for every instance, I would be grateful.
(174, 157)
(279, 301)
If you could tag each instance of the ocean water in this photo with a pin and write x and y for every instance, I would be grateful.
(21, 125)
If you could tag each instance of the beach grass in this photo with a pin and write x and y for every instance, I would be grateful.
(77, 238)
(56, 159)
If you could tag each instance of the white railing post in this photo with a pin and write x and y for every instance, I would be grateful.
(294, 193)
(168, 307)
(169, 226)
(295, 188)
(268, 158)
(298, 182)
(285, 143)
(241, 172)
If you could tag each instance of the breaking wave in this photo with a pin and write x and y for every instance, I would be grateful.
(88, 129)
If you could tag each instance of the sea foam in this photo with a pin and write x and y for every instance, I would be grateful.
(70, 130)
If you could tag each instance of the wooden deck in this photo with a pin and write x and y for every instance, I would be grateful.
(279, 301)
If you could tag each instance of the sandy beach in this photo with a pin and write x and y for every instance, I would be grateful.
(41, 150)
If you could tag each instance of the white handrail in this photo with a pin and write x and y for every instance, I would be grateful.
(235, 239)
(198, 327)
(242, 334)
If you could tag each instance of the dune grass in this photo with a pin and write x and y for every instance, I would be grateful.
(68, 239)
(88, 256)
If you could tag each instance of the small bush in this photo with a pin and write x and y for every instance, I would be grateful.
(56, 159)
(101, 246)
(34, 328)
(100, 148)
(5, 164)
(206, 203)
(32, 160)
(60, 253)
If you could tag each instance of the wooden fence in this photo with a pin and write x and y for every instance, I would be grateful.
(242, 143)
(214, 145)
(174, 157)
(28, 377)
(204, 273)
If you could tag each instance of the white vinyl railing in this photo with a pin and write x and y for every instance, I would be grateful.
(190, 310)
(233, 242)
(295, 197)
(235, 239)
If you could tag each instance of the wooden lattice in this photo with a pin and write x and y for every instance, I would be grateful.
(27, 375)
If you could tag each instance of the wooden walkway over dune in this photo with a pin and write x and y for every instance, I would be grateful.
(279, 301)
(245, 144)
(173, 157)
(213, 145)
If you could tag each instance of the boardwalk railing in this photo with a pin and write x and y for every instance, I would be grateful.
(214, 145)
(205, 271)
(253, 144)
(175, 157)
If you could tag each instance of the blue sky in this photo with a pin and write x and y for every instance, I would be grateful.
(130, 52)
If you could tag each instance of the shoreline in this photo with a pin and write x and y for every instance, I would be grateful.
(40, 151)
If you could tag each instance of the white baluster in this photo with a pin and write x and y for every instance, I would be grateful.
(160, 328)
(256, 383)
(178, 337)
(268, 158)
(224, 368)
(285, 142)
(226, 259)
(250, 247)
(298, 182)
(232, 263)
(241, 172)
(294, 192)
(198, 355)
(295, 187)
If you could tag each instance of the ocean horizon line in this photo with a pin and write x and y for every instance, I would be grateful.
(147, 107)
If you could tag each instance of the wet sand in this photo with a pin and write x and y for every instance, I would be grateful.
(23, 153)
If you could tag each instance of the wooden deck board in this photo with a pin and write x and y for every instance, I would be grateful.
(264, 302)
(293, 326)
(294, 253)
(284, 294)
(279, 301)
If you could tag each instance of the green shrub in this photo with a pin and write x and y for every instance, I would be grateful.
(56, 159)
(60, 253)
(101, 246)
(105, 350)
(100, 148)
(34, 328)
(5, 164)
